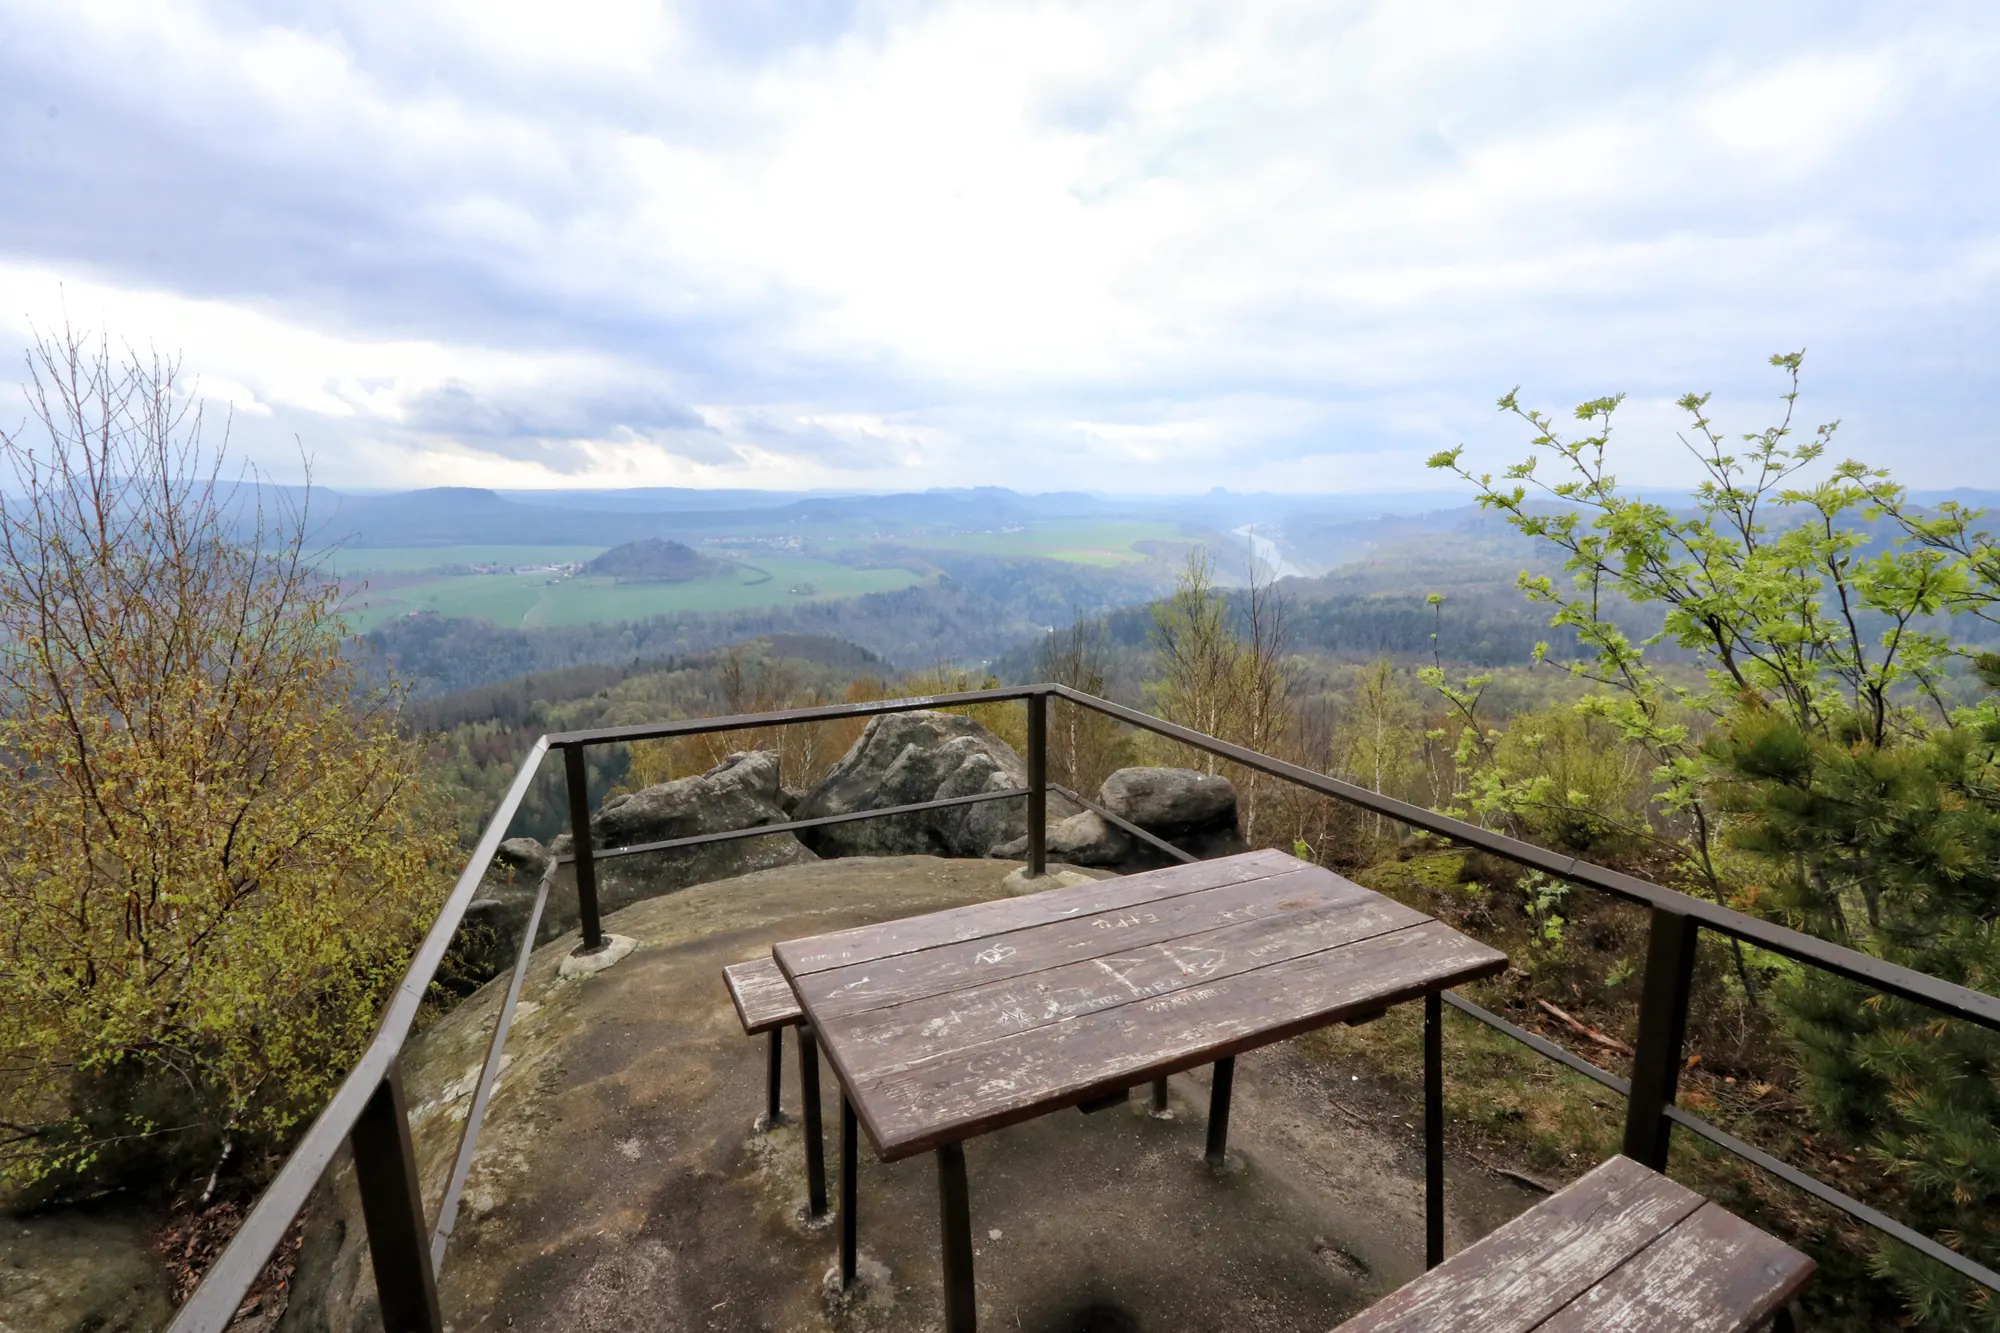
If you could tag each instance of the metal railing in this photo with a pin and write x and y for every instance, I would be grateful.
(369, 1113)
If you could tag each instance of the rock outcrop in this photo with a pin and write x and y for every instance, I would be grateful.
(95, 1266)
(490, 936)
(1170, 801)
(907, 758)
(1196, 812)
(740, 792)
(1081, 840)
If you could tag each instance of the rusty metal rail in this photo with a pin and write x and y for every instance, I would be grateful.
(367, 1111)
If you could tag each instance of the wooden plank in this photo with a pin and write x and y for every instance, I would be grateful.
(849, 990)
(860, 944)
(763, 998)
(1713, 1273)
(878, 1038)
(1538, 1263)
(914, 1107)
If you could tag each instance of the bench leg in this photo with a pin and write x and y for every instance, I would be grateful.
(774, 1081)
(955, 1222)
(849, 1151)
(1218, 1110)
(809, 1099)
(1159, 1096)
(1433, 1130)
(1790, 1318)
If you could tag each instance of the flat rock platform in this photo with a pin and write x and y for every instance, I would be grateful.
(621, 1183)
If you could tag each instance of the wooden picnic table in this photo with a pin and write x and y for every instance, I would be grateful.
(949, 1025)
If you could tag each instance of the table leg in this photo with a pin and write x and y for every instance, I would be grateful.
(774, 1081)
(1218, 1109)
(1159, 1096)
(809, 1099)
(1433, 1130)
(955, 1222)
(849, 1165)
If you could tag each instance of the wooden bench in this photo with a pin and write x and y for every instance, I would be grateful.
(765, 1003)
(1623, 1248)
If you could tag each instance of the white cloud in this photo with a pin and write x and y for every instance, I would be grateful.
(962, 242)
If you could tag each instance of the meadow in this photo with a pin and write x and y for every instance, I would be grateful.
(536, 600)
(1106, 543)
(403, 580)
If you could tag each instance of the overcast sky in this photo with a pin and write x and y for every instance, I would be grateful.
(1128, 247)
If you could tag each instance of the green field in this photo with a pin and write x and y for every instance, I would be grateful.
(361, 561)
(529, 600)
(1106, 543)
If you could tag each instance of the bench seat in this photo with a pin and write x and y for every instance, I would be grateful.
(765, 1003)
(763, 998)
(1623, 1248)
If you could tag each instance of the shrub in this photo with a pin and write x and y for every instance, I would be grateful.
(214, 853)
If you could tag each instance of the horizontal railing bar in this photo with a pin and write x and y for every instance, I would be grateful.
(1877, 973)
(213, 1304)
(793, 826)
(1846, 1203)
(489, 1074)
(1158, 843)
(1540, 1044)
(703, 726)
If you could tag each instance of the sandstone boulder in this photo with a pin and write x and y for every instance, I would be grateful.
(907, 758)
(1080, 840)
(490, 936)
(1170, 801)
(740, 792)
(1196, 812)
(524, 855)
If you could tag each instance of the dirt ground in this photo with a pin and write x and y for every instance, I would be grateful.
(621, 1183)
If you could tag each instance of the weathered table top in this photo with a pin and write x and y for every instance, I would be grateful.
(944, 1026)
(1622, 1248)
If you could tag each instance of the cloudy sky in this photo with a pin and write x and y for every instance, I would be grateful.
(1132, 247)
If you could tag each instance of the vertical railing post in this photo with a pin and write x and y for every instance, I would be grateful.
(1038, 783)
(579, 836)
(1663, 1013)
(392, 1208)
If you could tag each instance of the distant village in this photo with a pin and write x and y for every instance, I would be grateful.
(567, 569)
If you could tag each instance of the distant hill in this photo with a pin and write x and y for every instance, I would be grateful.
(654, 560)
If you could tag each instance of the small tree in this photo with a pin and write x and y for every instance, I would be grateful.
(1263, 684)
(1819, 742)
(1084, 747)
(1197, 656)
(1895, 848)
(1234, 687)
(214, 854)
(1379, 740)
